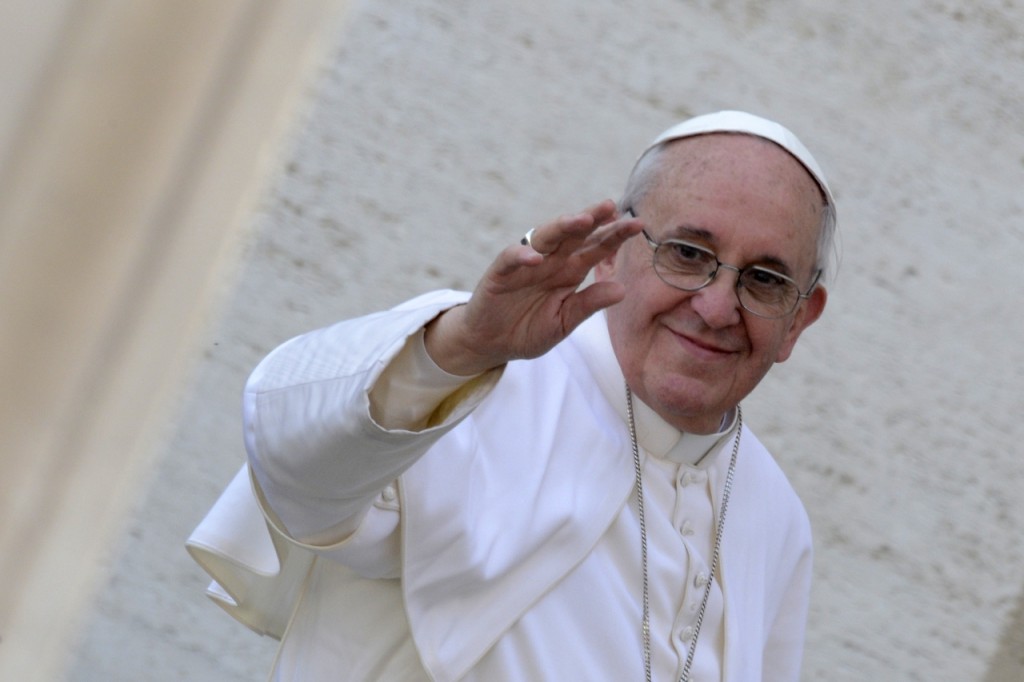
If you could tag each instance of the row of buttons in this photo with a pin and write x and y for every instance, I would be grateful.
(686, 634)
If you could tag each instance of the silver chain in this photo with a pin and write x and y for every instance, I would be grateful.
(646, 624)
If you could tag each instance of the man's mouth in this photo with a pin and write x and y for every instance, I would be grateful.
(702, 347)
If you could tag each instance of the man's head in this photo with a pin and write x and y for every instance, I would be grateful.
(750, 193)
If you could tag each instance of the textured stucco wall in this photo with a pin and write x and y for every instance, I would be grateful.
(441, 129)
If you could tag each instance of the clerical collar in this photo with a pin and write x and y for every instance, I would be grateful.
(654, 434)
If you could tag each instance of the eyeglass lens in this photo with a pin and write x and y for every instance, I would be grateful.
(689, 267)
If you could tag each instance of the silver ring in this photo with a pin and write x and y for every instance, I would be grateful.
(527, 239)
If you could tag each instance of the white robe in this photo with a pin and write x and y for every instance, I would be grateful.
(506, 504)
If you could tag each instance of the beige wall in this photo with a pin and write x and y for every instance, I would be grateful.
(433, 134)
(133, 135)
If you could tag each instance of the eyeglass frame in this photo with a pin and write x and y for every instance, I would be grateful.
(655, 245)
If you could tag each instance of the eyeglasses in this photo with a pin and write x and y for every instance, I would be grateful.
(761, 291)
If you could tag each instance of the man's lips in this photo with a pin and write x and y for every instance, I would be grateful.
(702, 347)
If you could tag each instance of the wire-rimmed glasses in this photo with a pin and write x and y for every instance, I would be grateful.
(691, 267)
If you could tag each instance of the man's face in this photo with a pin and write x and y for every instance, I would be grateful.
(692, 356)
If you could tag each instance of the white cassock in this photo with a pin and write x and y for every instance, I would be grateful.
(495, 536)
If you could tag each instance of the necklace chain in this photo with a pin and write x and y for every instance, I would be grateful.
(646, 624)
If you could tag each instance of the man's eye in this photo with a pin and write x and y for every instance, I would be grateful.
(688, 253)
(765, 279)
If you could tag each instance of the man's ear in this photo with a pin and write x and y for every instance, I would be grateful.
(806, 314)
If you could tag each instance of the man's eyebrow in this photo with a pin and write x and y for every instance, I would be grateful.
(774, 263)
(691, 233)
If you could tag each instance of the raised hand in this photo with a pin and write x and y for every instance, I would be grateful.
(530, 298)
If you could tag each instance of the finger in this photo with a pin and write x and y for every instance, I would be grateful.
(603, 212)
(570, 263)
(515, 258)
(570, 228)
(613, 234)
(547, 239)
(605, 242)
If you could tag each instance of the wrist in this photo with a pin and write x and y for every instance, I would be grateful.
(447, 346)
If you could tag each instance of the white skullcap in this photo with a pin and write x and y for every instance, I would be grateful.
(742, 122)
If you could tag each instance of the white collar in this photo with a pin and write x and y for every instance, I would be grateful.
(655, 435)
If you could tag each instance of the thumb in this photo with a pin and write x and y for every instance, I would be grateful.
(588, 301)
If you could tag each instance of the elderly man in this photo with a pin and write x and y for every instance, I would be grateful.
(546, 479)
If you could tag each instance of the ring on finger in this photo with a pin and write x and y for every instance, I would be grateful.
(527, 239)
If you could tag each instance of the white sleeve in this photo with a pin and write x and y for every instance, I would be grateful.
(412, 387)
(317, 454)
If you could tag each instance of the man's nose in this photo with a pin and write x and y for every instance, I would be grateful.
(718, 303)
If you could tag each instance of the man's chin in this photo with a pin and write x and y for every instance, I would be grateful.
(686, 406)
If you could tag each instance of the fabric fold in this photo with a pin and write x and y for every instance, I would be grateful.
(258, 573)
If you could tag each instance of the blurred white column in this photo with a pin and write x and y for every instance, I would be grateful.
(133, 137)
